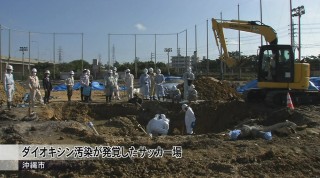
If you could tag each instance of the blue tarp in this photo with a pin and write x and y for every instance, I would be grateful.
(254, 84)
(63, 87)
(95, 86)
(249, 85)
(315, 81)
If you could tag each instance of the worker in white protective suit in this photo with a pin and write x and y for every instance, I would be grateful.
(116, 91)
(83, 79)
(8, 83)
(175, 94)
(34, 86)
(109, 84)
(159, 80)
(188, 78)
(152, 85)
(145, 82)
(129, 81)
(69, 82)
(86, 88)
(189, 118)
(192, 94)
(90, 83)
(159, 125)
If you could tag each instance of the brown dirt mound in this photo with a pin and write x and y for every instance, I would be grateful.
(18, 94)
(212, 89)
(71, 111)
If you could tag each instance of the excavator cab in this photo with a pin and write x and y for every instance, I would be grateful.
(276, 64)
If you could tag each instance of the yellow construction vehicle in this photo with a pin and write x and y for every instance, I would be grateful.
(278, 73)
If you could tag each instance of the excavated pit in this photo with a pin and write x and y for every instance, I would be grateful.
(211, 117)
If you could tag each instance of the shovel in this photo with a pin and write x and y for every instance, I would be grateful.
(90, 124)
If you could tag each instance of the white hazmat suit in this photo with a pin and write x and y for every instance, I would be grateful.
(8, 84)
(116, 90)
(188, 78)
(145, 82)
(159, 80)
(159, 125)
(189, 118)
(128, 80)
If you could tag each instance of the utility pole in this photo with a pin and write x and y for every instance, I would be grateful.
(113, 55)
(23, 49)
(155, 51)
(60, 54)
(9, 57)
(151, 57)
(299, 11)
(292, 31)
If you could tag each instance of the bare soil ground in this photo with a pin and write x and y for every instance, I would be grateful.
(292, 152)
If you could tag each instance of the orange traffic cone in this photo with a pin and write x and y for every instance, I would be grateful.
(289, 102)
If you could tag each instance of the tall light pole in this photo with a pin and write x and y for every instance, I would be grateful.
(298, 12)
(168, 50)
(23, 49)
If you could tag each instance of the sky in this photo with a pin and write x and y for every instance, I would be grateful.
(143, 28)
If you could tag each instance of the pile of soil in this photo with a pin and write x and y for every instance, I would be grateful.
(213, 89)
(69, 111)
(17, 96)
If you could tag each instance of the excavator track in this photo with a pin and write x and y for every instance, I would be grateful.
(274, 97)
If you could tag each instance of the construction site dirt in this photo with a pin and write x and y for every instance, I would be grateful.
(293, 151)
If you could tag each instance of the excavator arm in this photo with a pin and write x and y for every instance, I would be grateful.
(248, 26)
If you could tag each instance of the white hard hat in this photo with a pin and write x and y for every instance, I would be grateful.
(71, 73)
(184, 107)
(174, 87)
(192, 86)
(110, 71)
(145, 70)
(47, 72)
(88, 70)
(84, 70)
(128, 70)
(163, 116)
(159, 70)
(115, 69)
(34, 70)
(9, 67)
(150, 69)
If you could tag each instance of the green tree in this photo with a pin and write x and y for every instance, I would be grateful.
(76, 65)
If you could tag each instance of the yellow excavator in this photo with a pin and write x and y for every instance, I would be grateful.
(278, 73)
